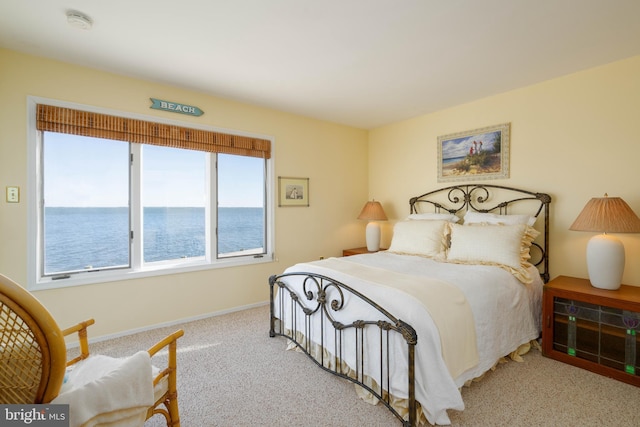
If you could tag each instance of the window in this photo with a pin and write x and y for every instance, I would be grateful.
(241, 228)
(174, 196)
(85, 203)
(118, 197)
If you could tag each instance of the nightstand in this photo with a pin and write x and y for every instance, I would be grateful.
(593, 328)
(358, 251)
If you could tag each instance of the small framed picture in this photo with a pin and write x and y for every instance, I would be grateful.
(475, 154)
(293, 191)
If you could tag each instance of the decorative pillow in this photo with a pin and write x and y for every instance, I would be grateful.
(496, 244)
(423, 238)
(435, 216)
(491, 218)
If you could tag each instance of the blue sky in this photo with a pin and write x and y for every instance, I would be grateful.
(90, 172)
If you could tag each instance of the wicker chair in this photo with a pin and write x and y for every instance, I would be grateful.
(33, 354)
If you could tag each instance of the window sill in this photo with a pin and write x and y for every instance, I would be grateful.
(152, 270)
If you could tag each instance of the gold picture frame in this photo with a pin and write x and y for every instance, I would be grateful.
(474, 155)
(293, 191)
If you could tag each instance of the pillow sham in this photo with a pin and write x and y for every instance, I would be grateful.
(504, 245)
(490, 218)
(422, 238)
(435, 216)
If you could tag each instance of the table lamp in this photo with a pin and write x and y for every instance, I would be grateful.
(373, 212)
(605, 253)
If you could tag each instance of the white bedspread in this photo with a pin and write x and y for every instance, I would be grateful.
(506, 314)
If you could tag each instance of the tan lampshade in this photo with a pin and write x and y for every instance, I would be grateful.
(607, 215)
(372, 211)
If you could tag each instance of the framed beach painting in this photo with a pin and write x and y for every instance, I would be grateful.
(293, 191)
(475, 154)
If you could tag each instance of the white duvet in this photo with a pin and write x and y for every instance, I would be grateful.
(506, 312)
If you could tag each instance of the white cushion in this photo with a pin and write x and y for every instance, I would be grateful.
(423, 238)
(496, 244)
(101, 390)
(490, 218)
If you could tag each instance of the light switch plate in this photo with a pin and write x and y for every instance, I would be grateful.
(13, 194)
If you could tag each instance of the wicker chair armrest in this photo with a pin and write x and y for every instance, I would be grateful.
(81, 329)
(171, 343)
(165, 342)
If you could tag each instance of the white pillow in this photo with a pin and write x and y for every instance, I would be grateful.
(423, 238)
(490, 218)
(435, 216)
(488, 244)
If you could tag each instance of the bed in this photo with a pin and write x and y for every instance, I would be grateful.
(459, 288)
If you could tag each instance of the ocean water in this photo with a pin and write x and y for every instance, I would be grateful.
(94, 238)
(452, 160)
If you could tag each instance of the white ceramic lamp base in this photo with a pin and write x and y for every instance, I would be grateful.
(373, 236)
(605, 261)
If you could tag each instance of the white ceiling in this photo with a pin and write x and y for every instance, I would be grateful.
(363, 63)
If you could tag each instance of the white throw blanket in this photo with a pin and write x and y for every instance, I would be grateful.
(446, 304)
(109, 391)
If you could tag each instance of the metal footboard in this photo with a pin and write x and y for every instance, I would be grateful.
(314, 303)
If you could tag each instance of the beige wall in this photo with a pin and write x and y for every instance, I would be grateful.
(333, 157)
(574, 137)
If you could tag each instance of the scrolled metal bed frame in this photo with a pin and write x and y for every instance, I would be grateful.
(314, 302)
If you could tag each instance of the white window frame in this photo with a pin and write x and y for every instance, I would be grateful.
(37, 281)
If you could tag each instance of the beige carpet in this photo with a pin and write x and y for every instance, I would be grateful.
(232, 374)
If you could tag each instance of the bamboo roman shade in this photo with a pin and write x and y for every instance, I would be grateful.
(77, 122)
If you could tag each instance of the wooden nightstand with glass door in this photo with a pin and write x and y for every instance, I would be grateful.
(595, 329)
